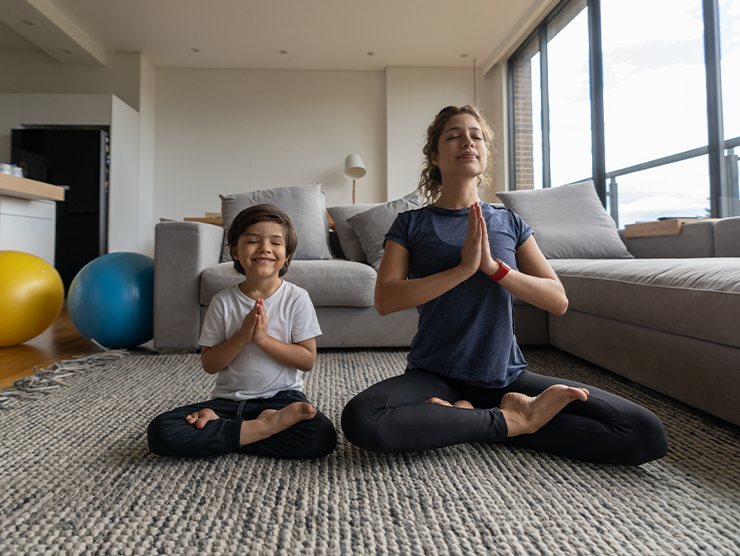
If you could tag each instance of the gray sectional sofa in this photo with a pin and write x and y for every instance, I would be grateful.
(663, 311)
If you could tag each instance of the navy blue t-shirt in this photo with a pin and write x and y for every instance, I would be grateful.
(466, 333)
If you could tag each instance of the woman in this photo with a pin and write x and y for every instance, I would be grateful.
(459, 260)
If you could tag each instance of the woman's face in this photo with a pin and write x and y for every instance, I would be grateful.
(461, 151)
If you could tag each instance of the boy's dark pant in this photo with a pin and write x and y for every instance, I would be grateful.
(170, 435)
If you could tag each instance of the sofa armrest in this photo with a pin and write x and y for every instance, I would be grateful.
(182, 250)
(727, 237)
(696, 240)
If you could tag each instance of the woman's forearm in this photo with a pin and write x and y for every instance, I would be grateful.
(399, 294)
(545, 293)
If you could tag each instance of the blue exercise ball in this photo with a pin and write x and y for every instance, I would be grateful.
(111, 300)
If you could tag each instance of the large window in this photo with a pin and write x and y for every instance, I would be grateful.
(644, 131)
(552, 116)
(655, 105)
(569, 95)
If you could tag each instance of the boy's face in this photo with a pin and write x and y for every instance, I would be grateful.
(261, 249)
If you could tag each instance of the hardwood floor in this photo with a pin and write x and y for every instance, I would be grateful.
(60, 341)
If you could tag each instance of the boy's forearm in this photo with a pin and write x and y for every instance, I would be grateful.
(219, 357)
(291, 355)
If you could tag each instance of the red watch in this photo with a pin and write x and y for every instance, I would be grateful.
(503, 270)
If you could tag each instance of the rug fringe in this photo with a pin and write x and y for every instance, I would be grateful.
(48, 380)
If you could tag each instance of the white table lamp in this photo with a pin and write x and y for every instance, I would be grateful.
(354, 169)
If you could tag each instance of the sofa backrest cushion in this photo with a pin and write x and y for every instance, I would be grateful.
(335, 283)
(348, 240)
(727, 237)
(372, 225)
(304, 205)
(569, 221)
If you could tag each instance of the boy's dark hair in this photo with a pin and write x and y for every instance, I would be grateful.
(261, 213)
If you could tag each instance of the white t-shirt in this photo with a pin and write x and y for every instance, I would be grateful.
(291, 318)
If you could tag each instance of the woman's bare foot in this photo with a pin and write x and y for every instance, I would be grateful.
(200, 418)
(462, 404)
(526, 415)
(273, 421)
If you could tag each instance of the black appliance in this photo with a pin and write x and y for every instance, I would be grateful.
(78, 159)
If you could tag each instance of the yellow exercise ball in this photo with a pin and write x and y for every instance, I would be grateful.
(31, 296)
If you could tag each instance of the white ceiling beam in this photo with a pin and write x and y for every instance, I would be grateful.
(43, 24)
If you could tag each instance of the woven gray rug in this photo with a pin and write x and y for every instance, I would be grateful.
(77, 478)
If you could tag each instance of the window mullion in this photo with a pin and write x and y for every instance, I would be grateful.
(545, 108)
(717, 177)
(598, 142)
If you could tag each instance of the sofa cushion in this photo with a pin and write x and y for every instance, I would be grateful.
(335, 283)
(569, 222)
(726, 237)
(698, 298)
(372, 225)
(350, 243)
(304, 205)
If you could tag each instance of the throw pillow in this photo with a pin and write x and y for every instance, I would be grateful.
(351, 246)
(569, 221)
(372, 225)
(304, 206)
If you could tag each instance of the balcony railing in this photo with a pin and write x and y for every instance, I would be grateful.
(731, 159)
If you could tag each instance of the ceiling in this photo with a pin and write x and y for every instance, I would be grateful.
(364, 35)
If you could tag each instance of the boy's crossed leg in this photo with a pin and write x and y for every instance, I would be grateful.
(284, 426)
(267, 423)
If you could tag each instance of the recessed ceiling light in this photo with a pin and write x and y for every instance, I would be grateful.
(463, 55)
(195, 49)
(370, 53)
(283, 52)
(66, 51)
(26, 22)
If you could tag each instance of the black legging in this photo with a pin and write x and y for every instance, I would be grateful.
(392, 416)
(170, 435)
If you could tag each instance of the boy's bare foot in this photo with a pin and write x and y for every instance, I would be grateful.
(526, 415)
(273, 421)
(200, 418)
(462, 404)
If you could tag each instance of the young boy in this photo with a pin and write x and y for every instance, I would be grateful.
(257, 338)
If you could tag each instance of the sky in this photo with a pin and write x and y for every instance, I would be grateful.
(654, 101)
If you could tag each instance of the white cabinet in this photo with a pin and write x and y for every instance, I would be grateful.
(28, 226)
(28, 216)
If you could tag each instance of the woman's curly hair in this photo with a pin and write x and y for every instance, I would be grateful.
(430, 181)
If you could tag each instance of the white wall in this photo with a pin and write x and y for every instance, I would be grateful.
(229, 131)
(9, 120)
(123, 198)
(492, 100)
(414, 97)
(147, 100)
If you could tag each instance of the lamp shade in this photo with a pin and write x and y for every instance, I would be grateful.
(354, 169)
